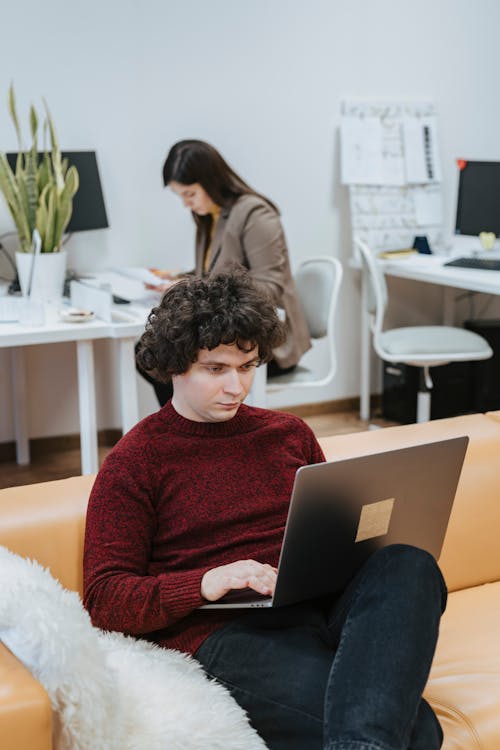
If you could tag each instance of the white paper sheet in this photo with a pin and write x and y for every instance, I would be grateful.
(421, 154)
(371, 152)
(428, 206)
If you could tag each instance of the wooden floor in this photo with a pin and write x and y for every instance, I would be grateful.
(61, 463)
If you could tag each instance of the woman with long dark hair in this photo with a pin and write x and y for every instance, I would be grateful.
(235, 227)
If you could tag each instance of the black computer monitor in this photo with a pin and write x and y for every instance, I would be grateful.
(478, 203)
(89, 211)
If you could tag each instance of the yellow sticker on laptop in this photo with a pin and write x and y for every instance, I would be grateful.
(374, 519)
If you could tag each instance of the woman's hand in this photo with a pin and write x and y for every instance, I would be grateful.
(241, 574)
(169, 275)
(160, 287)
(168, 279)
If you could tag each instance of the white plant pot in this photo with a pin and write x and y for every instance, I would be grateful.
(49, 271)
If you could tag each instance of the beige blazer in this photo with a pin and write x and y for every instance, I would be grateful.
(250, 234)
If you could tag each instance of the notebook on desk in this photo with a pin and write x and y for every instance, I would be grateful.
(342, 511)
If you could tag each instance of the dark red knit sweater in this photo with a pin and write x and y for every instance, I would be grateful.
(176, 498)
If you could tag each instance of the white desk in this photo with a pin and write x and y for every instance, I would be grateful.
(429, 269)
(15, 337)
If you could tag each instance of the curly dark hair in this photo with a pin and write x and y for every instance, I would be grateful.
(199, 314)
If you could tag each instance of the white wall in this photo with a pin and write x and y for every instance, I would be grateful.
(262, 81)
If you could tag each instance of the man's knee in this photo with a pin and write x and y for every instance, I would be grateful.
(413, 568)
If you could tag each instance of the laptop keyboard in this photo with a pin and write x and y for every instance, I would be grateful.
(483, 264)
(10, 309)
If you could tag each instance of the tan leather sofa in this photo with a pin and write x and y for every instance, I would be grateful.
(46, 522)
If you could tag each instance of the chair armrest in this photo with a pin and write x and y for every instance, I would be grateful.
(25, 711)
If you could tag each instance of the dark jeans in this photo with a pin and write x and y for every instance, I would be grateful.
(345, 673)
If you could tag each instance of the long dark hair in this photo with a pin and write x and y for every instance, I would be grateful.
(193, 161)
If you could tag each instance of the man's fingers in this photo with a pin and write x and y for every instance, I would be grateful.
(238, 575)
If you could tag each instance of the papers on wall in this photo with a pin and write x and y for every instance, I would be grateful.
(372, 152)
(389, 218)
(390, 162)
(428, 205)
(421, 155)
(398, 151)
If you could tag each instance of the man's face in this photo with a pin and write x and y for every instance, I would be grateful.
(215, 386)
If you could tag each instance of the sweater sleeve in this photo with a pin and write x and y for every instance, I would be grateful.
(313, 448)
(119, 591)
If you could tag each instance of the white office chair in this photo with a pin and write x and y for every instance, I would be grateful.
(318, 284)
(421, 346)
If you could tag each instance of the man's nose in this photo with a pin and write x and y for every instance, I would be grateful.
(232, 383)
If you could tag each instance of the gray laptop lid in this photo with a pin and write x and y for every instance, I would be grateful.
(343, 511)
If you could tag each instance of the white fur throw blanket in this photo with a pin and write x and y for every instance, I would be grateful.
(109, 691)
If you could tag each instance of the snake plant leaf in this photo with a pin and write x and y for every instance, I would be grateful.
(55, 151)
(23, 200)
(19, 164)
(40, 191)
(31, 187)
(13, 114)
(49, 229)
(44, 175)
(48, 203)
(64, 211)
(41, 221)
(72, 181)
(34, 128)
(10, 189)
(65, 204)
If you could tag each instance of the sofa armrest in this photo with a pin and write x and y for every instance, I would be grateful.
(25, 711)
(46, 522)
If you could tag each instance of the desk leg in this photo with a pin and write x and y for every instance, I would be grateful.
(448, 306)
(87, 406)
(129, 405)
(364, 396)
(19, 405)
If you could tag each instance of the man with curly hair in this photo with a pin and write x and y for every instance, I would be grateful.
(191, 504)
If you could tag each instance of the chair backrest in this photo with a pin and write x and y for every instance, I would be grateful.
(375, 286)
(318, 284)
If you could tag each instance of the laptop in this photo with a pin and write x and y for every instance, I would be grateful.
(342, 511)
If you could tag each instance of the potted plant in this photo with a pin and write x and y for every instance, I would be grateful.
(39, 195)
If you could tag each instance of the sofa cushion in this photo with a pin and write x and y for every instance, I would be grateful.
(464, 684)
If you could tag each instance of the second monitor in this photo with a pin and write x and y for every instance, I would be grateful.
(478, 198)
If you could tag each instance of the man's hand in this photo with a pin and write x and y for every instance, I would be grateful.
(241, 574)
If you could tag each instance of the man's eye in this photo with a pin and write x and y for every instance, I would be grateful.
(214, 368)
(250, 366)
